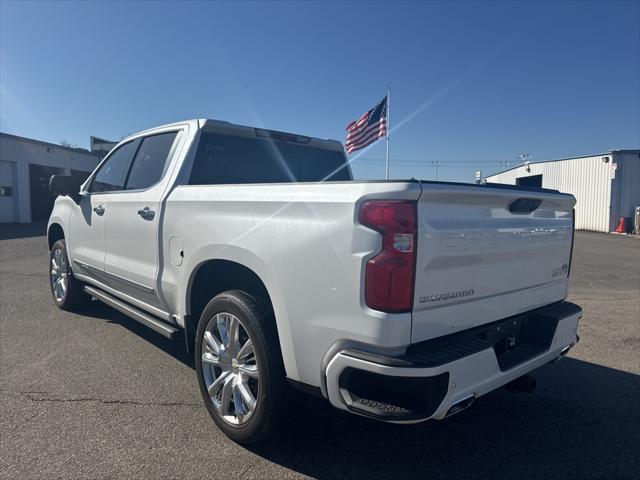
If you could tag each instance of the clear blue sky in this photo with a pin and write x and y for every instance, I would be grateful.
(472, 83)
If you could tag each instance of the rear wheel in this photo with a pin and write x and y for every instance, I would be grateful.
(66, 290)
(239, 366)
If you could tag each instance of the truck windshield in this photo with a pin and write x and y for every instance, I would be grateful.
(229, 159)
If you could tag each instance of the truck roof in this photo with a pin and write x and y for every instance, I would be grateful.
(211, 124)
(245, 130)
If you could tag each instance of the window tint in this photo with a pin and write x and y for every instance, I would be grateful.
(113, 173)
(228, 159)
(151, 161)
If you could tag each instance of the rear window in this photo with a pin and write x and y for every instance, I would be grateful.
(228, 159)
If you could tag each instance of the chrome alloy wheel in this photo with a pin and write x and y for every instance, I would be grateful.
(59, 275)
(230, 368)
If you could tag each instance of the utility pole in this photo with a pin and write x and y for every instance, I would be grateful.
(436, 164)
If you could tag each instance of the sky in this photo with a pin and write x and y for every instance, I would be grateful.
(473, 84)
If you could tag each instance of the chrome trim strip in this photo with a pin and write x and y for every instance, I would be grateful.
(87, 266)
(115, 277)
(131, 283)
(156, 325)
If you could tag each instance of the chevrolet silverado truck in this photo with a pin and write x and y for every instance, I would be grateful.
(400, 301)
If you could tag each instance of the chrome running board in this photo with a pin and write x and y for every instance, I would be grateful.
(154, 324)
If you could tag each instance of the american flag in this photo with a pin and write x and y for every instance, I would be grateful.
(368, 128)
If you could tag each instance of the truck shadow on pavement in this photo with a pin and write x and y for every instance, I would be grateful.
(583, 421)
(175, 348)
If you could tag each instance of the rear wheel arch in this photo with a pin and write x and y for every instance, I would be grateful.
(215, 276)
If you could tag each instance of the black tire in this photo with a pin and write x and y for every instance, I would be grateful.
(74, 296)
(272, 393)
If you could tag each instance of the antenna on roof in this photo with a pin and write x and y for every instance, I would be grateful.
(525, 157)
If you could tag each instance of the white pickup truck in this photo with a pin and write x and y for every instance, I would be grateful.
(398, 300)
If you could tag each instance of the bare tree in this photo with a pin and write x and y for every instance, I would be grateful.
(68, 144)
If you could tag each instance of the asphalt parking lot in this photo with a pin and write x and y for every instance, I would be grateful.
(99, 396)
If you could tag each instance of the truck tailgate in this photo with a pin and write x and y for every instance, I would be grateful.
(487, 253)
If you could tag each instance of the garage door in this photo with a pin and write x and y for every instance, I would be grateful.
(8, 192)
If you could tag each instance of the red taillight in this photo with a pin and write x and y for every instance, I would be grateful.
(390, 274)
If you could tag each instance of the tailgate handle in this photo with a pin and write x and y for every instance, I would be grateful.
(524, 205)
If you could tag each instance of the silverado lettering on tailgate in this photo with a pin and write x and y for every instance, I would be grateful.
(446, 296)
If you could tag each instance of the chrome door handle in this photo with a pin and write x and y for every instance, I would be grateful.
(99, 210)
(147, 213)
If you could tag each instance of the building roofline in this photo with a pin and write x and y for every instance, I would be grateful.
(610, 152)
(48, 144)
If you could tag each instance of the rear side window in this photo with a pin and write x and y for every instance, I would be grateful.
(150, 161)
(113, 173)
(229, 159)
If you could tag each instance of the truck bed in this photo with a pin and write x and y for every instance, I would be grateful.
(476, 261)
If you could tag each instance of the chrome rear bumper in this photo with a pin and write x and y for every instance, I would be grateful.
(434, 377)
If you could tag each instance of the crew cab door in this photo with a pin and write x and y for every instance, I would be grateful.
(132, 224)
(86, 242)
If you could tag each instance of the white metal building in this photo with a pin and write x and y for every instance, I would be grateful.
(25, 168)
(606, 186)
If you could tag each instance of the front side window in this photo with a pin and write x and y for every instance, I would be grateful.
(113, 173)
(150, 161)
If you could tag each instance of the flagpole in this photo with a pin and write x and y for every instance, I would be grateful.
(388, 128)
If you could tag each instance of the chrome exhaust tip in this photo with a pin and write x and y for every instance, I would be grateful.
(566, 349)
(460, 405)
(563, 353)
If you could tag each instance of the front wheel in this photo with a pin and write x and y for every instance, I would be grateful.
(66, 290)
(239, 366)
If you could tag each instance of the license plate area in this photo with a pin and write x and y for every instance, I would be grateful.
(520, 338)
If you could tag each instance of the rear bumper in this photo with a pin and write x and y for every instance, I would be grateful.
(432, 379)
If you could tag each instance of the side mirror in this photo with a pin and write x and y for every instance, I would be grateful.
(65, 185)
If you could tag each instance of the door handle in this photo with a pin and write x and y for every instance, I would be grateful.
(147, 213)
(99, 210)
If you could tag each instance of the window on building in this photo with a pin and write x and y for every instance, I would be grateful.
(530, 181)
